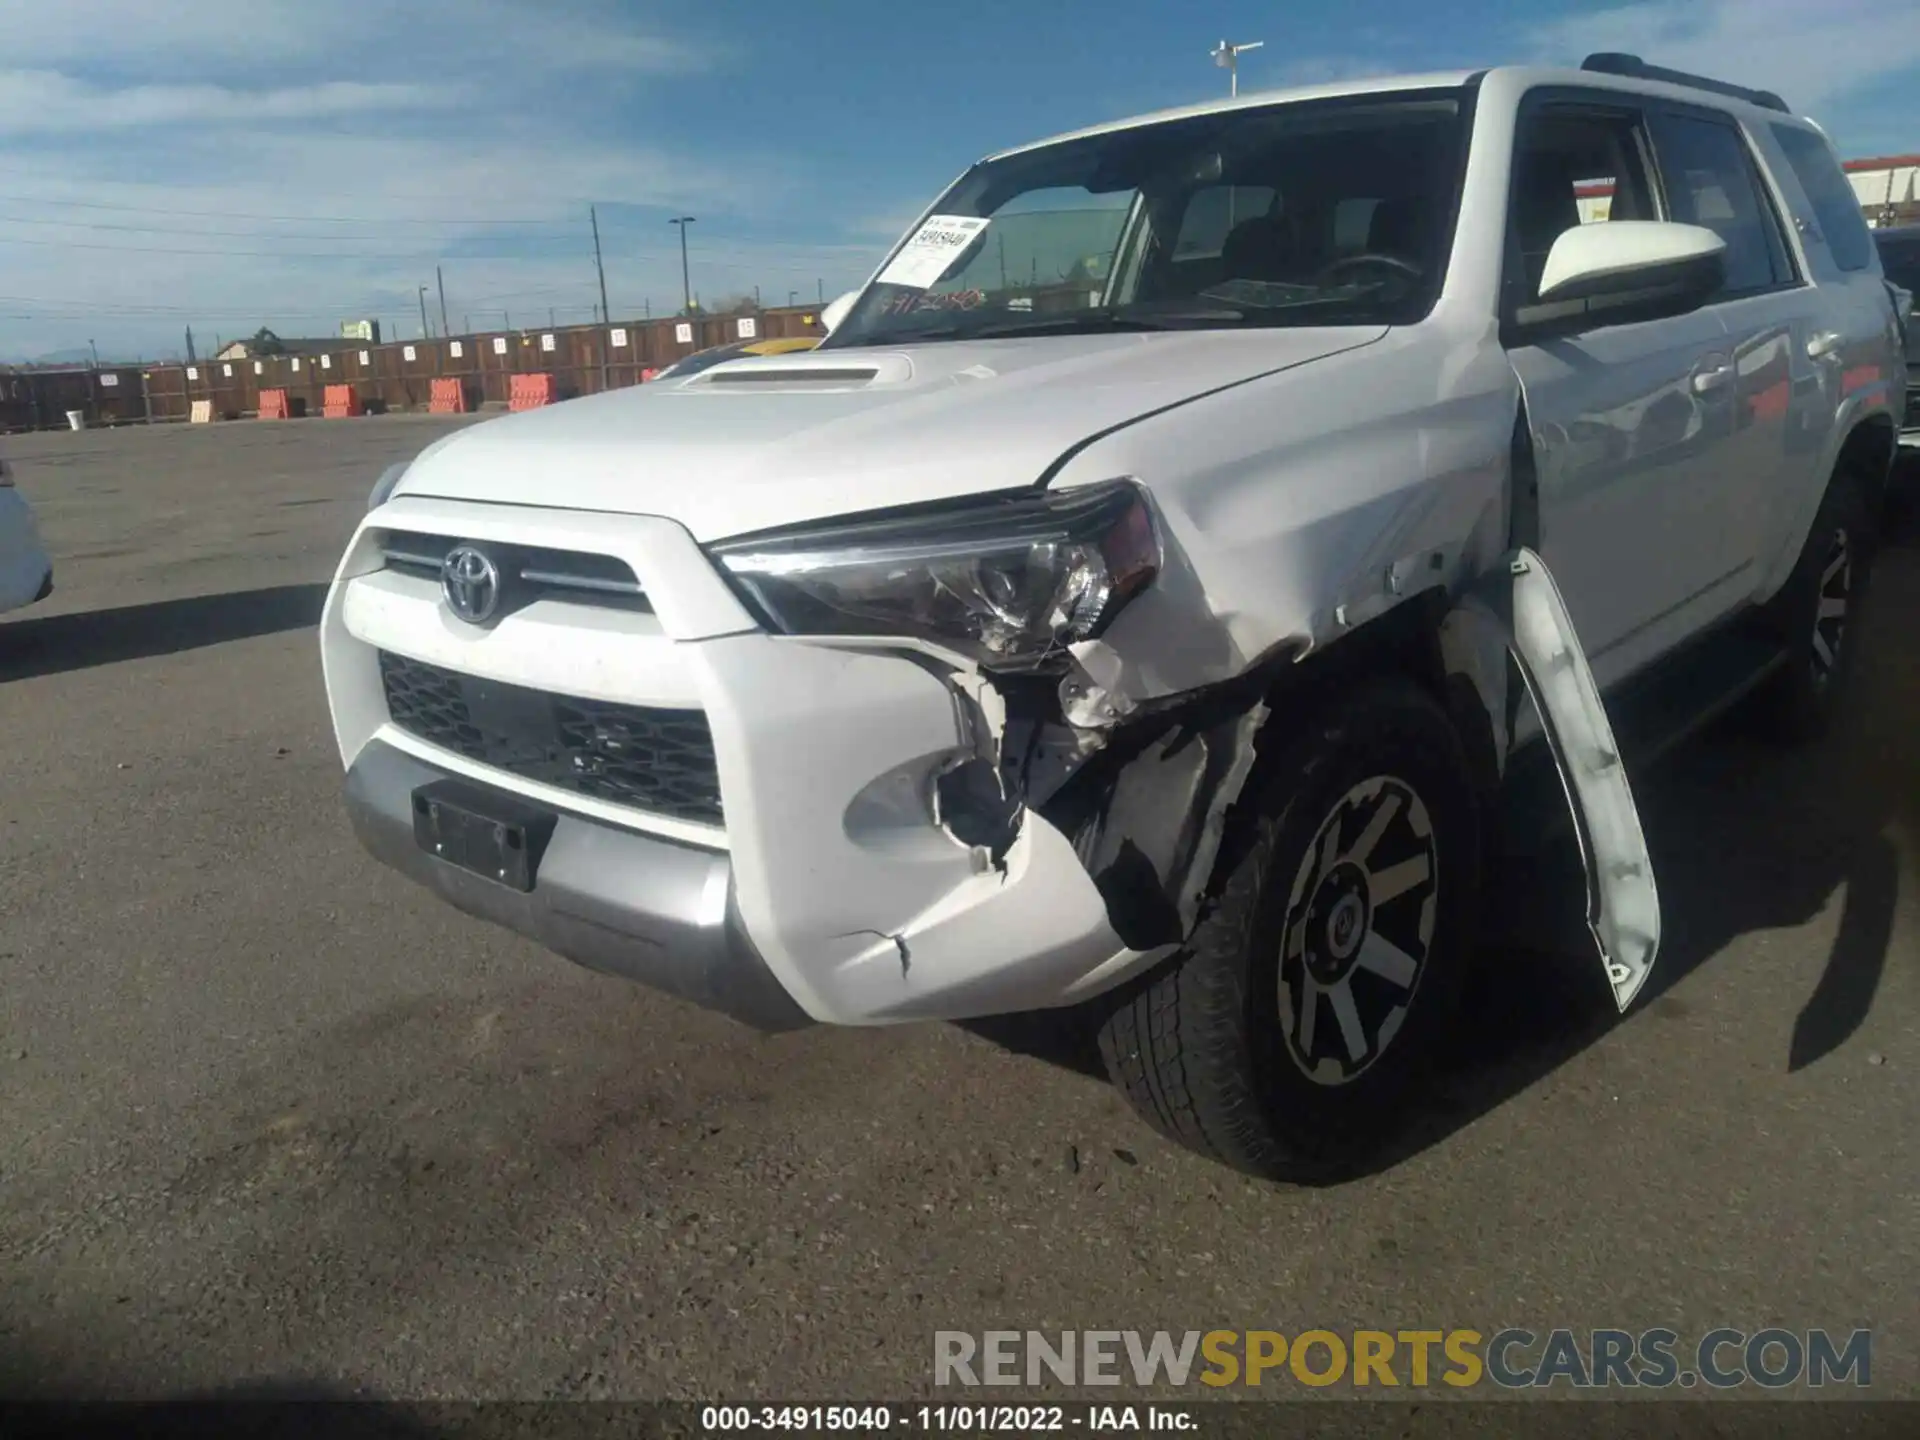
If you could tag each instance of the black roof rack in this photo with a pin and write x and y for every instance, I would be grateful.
(1638, 69)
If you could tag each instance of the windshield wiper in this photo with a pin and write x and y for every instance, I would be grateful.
(1075, 322)
(1084, 322)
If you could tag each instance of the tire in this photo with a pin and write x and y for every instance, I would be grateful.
(1255, 1060)
(1815, 615)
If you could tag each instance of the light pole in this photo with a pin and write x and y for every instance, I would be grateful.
(424, 331)
(680, 222)
(1227, 57)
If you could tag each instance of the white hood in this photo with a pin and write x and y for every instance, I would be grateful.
(761, 443)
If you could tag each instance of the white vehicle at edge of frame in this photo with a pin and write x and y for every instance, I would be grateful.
(26, 574)
(1159, 585)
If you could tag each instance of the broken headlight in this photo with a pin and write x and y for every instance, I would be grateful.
(1009, 581)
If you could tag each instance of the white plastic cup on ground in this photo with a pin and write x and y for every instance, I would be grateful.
(76, 419)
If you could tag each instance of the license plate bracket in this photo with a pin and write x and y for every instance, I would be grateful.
(484, 832)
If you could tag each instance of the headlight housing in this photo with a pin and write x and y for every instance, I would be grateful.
(383, 487)
(1009, 581)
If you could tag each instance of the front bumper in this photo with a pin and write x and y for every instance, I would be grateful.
(830, 870)
(626, 904)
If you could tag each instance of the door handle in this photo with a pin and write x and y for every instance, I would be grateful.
(1713, 373)
(1824, 345)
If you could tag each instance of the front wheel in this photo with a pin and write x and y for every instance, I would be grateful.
(1286, 1036)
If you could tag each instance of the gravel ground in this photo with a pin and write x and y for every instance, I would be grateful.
(272, 1114)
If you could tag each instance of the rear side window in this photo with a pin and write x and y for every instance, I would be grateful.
(1835, 206)
(1710, 181)
(1901, 260)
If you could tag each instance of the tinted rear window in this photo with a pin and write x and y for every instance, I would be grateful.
(1835, 206)
(1900, 258)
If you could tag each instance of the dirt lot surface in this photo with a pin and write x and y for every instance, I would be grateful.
(271, 1113)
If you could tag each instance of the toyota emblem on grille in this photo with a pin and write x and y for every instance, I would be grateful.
(471, 583)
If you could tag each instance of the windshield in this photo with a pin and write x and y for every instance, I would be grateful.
(1309, 213)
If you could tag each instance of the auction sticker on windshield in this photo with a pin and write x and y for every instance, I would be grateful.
(936, 245)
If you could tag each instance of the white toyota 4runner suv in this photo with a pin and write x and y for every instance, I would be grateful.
(1154, 588)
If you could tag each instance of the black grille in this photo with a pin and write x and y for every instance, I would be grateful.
(655, 760)
(537, 571)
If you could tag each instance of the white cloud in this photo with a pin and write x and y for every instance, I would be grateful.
(47, 102)
(167, 39)
(1812, 54)
(201, 128)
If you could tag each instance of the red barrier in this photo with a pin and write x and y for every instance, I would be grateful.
(530, 392)
(449, 397)
(340, 402)
(273, 405)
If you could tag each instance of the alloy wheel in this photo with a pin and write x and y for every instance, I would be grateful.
(1830, 615)
(1359, 928)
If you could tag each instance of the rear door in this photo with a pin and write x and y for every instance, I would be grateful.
(1777, 383)
(1629, 426)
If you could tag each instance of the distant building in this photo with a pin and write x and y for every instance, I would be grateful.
(1888, 187)
(254, 346)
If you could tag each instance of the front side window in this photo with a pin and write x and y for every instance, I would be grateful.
(1710, 181)
(1243, 217)
(1835, 206)
(1573, 165)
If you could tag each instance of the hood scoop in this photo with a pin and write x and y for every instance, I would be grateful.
(832, 371)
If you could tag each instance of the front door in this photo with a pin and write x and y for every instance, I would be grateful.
(1631, 422)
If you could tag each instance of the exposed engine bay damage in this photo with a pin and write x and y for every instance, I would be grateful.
(1143, 791)
(1147, 817)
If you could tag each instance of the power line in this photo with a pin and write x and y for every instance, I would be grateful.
(167, 230)
(246, 215)
(426, 253)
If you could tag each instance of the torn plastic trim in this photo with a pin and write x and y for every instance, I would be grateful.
(1623, 901)
(1148, 813)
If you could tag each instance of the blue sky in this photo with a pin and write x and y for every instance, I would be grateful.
(320, 160)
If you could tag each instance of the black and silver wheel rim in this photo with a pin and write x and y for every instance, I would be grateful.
(1359, 930)
(1831, 606)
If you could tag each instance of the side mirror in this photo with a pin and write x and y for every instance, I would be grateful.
(1637, 263)
(836, 311)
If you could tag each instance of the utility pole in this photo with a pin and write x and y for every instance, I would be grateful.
(821, 286)
(191, 357)
(680, 223)
(442, 281)
(425, 332)
(599, 265)
(792, 296)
